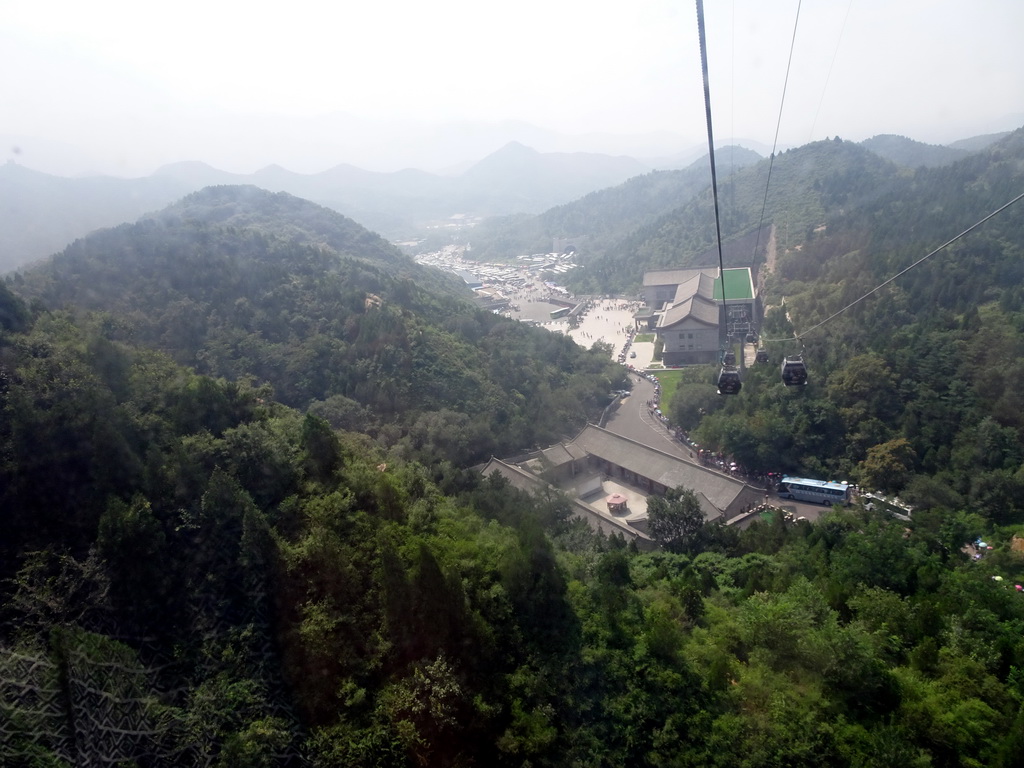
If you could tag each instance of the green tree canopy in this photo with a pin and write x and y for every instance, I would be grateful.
(675, 519)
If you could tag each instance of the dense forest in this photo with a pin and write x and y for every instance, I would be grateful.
(664, 219)
(240, 529)
(237, 282)
(807, 185)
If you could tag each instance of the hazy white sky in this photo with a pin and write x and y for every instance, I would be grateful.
(241, 84)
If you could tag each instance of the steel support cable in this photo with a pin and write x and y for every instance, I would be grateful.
(880, 286)
(775, 143)
(831, 66)
(711, 145)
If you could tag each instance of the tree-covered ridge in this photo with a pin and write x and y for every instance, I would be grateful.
(812, 188)
(193, 574)
(908, 153)
(41, 213)
(807, 185)
(602, 218)
(666, 219)
(241, 283)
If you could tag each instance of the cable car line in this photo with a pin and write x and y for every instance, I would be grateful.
(794, 371)
(729, 376)
(711, 140)
(775, 143)
(831, 66)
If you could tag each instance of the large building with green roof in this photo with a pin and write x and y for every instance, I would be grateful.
(695, 311)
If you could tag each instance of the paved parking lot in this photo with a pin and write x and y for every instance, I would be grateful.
(608, 321)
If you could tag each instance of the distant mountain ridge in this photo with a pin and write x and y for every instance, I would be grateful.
(602, 218)
(978, 143)
(807, 183)
(40, 214)
(908, 153)
(521, 172)
(812, 188)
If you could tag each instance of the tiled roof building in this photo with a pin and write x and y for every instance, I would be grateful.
(688, 314)
(587, 467)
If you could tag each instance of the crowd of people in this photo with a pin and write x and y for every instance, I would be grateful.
(630, 333)
(596, 320)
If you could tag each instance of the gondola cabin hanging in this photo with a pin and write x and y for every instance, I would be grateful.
(729, 381)
(794, 372)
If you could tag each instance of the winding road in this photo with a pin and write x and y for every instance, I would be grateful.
(633, 420)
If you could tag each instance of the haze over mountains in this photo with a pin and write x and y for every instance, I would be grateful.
(41, 213)
(243, 517)
(310, 145)
(666, 218)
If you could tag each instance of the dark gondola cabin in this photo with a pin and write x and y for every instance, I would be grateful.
(761, 356)
(728, 357)
(794, 372)
(729, 381)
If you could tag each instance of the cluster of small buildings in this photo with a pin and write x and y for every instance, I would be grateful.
(554, 263)
(495, 284)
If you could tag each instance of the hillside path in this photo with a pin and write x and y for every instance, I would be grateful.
(771, 256)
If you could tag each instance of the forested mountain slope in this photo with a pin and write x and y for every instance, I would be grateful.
(598, 221)
(916, 388)
(193, 574)
(40, 214)
(807, 185)
(810, 186)
(520, 179)
(242, 283)
(912, 154)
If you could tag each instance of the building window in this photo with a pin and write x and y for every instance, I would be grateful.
(689, 335)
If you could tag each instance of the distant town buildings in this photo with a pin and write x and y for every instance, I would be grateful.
(494, 283)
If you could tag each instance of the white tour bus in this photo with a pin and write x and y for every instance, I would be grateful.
(817, 491)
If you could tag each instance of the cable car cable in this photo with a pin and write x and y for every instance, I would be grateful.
(728, 377)
(775, 143)
(711, 140)
(831, 66)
